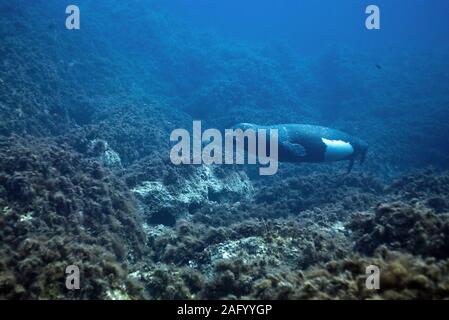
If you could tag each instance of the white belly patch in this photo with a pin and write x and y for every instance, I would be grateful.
(337, 150)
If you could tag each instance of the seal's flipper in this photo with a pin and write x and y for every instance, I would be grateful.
(351, 164)
(294, 148)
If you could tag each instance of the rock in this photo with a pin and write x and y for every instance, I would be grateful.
(413, 228)
(250, 247)
(166, 202)
(101, 150)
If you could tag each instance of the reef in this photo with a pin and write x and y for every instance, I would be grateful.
(182, 192)
(58, 209)
(415, 220)
(85, 178)
(158, 231)
(403, 276)
(305, 257)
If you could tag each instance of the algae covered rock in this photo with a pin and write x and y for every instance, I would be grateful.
(414, 228)
(105, 154)
(402, 276)
(166, 201)
(56, 210)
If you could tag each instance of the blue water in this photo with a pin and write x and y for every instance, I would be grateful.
(312, 26)
(85, 123)
(266, 62)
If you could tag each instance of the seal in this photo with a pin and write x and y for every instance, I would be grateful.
(309, 143)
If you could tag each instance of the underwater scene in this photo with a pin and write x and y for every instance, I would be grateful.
(225, 149)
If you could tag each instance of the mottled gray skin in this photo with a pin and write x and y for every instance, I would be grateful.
(303, 142)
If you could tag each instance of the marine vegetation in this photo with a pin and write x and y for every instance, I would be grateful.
(86, 177)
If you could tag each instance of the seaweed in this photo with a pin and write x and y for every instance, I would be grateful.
(58, 209)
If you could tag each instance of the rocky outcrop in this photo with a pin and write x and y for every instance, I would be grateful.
(165, 202)
(101, 150)
(56, 210)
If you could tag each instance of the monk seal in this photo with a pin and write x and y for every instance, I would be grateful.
(310, 143)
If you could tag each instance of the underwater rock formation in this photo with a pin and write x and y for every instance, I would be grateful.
(230, 252)
(248, 249)
(401, 226)
(56, 210)
(103, 152)
(427, 184)
(92, 185)
(167, 201)
(416, 219)
(402, 276)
